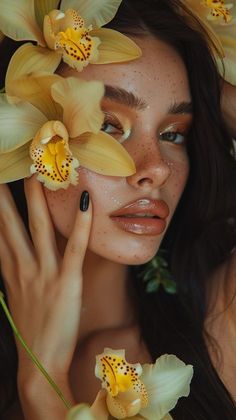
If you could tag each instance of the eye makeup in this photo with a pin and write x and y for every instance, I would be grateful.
(116, 125)
(176, 132)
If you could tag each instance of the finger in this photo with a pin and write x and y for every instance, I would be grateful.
(40, 223)
(6, 261)
(13, 230)
(78, 240)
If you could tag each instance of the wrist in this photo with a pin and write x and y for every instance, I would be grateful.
(36, 392)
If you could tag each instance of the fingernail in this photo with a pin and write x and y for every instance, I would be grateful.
(84, 201)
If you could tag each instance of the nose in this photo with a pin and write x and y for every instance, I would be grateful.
(152, 171)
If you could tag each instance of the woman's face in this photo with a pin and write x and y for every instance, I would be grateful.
(147, 108)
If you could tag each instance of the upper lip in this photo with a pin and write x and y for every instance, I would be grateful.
(148, 206)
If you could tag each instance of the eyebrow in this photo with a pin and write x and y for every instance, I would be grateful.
(181, 108)
(124, 97)
(129, 99)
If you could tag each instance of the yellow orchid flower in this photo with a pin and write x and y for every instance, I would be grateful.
(52, 127)
(73, 33)
(219, 18)
(132, 391)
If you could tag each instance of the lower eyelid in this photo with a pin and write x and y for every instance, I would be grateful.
(183, 134)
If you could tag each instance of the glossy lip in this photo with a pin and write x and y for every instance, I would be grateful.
(129, 220)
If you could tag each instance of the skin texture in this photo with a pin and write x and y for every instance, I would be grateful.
(74, 272)
(162, 167)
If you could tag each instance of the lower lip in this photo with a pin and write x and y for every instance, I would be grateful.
(140, 225)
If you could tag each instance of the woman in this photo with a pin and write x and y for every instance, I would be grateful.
(165, 109)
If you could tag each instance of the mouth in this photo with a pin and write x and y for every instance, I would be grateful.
(142, 217)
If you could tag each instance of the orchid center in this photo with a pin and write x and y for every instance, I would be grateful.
(53, 161)
(219, 10)
(77, 45)
(126, 393)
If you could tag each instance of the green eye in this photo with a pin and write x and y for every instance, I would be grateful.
(173, 137)
(112, 129)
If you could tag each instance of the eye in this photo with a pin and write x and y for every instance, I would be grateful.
(111, 125)
(173, 137)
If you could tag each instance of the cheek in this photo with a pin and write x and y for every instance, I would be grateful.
(177, 181)
(63, 206)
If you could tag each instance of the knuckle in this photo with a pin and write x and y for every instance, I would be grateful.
(36, 226)
(74, 248)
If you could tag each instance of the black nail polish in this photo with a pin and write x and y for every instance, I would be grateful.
(84, 201)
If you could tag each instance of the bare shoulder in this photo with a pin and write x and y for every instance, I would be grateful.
(221, 322)
(127, 338)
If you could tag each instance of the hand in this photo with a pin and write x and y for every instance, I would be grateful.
(44, 289)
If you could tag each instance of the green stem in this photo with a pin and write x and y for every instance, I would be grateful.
(31, 354)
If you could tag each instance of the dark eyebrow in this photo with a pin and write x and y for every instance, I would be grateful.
(124, 97)
(129, 99)
(181, 108)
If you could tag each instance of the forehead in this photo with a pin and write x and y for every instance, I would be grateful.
(159, 73)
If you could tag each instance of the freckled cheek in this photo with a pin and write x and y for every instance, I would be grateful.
(63, 205)
(177, 181)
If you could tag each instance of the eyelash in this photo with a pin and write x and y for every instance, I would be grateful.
(112, 120)
(171, 133)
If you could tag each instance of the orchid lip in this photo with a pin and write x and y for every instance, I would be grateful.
(144, 207)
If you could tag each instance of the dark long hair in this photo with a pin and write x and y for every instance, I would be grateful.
(202, 232)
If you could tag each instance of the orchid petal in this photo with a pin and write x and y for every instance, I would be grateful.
(99, 407)
(80, 101)
(15, 165)
(228, 41)
(80, 412)
(95, 12)
(36, 89)
(166, 381)
(115, 47)
(42, 8)
(228, 70)
(51, 26)
(17, 21)
(167, 417)
(101, 153)
(18, 124)
(28, 59)
(221, 30)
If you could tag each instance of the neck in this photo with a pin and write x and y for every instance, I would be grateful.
(106, 303)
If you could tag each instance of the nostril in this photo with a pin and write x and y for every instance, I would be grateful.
(144, 181)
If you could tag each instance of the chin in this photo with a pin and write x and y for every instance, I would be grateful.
(127, 256)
